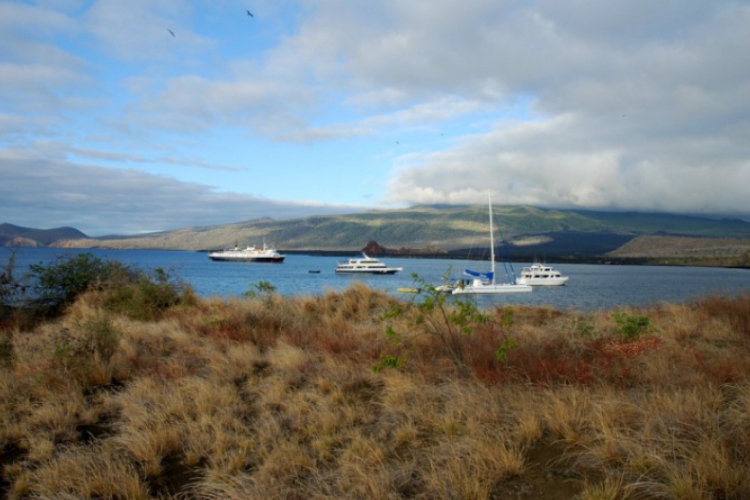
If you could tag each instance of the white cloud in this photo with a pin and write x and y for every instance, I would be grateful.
(552, 164)
(98, 201)
(648, 119)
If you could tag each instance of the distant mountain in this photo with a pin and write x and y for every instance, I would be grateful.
(523, 231)
(17, 236)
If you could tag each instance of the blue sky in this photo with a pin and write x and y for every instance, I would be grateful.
(110, 124)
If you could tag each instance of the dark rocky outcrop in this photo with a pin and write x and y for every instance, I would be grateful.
(373, 248)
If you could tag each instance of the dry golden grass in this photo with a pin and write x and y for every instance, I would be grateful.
(276, 398)
(97, 472)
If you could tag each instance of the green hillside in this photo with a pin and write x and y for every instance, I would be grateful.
(444, 227)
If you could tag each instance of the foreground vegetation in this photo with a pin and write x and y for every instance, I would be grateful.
(134, 388)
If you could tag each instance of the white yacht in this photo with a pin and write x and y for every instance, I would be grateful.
(248, 254)
(484, 283)
(541, 275)
(365, 265)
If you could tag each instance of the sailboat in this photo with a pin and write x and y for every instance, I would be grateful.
(484, 283)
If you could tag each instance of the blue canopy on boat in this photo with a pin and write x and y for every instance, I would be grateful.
(475, 274)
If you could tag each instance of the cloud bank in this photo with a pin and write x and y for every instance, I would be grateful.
(597, 104)
(129, 201)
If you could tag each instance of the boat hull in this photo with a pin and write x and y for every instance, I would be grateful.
(543, 281)
(263, 260)
(445, 289)
(368, 271)
(491, 289)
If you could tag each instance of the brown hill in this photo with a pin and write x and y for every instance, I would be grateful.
(731, 251)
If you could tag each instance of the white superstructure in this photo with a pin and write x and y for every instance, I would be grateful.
(540, 275)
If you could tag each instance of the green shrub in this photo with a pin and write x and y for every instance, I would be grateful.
(125, 290)
(501, 354)
(58, 284)
(583, 325)
(149, 296)
(388, 361)
(506, 319)
(631, 326)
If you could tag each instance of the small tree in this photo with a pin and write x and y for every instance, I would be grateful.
(10, 287)
(435, 317)
(261, 288)
(631, 326)
(58, 284)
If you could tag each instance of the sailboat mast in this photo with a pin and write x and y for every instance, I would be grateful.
(492, 240)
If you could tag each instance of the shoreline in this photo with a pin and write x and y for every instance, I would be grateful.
(476, 254)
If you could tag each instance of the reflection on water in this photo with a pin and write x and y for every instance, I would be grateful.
(590, 287)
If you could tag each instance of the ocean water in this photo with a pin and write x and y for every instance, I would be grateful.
(590, 287)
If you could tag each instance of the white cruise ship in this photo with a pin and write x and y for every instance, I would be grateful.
(248, 254)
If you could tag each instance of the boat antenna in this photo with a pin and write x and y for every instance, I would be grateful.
(511, 276)
(492, 239)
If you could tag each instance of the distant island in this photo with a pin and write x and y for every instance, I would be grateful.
(17, 236)
(525, 233)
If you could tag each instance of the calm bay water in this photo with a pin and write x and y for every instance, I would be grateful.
(590, 287)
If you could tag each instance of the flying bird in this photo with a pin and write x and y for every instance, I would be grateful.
(170, 31)
(250, 14)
